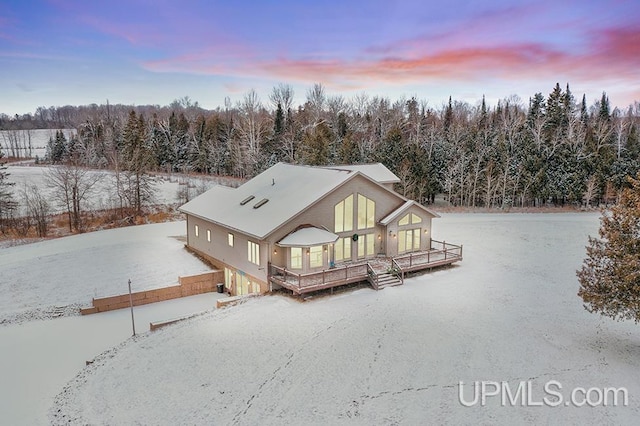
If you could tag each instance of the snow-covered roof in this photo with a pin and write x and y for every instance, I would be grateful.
(397, 212)
(307, 237)
(376, 171)
(264, 203)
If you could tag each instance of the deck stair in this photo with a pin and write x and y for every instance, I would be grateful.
(382, 278)
(387, 280)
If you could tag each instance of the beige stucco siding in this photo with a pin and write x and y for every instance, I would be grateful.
(219, 249)
(321, 214)
(425, 230)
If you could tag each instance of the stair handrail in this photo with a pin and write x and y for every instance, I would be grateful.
(397, 271)
(373, 277)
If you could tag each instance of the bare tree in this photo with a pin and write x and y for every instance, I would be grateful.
(251, 128)
(282, 94)
(38, 207)
(72, 185)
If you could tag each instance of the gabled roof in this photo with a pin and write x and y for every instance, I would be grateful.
(397, 212)
(288, 189)
(307, 237)
(376, 171)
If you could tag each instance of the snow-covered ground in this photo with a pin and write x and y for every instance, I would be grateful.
(102, 196)
(509, 312)
(39, 140)
(37, 279)
(38, 358)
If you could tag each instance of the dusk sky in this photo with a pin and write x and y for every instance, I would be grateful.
(76, 52)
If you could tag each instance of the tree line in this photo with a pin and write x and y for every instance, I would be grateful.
(552, 149)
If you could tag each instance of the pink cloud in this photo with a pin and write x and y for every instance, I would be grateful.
(608, 52)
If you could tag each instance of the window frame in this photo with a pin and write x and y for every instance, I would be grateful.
(366, 212)
(253, 252)
(343, 215)
(316, 253)
(298, 256)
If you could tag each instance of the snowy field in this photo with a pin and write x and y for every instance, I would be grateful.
(39, 139)
(38, 358)
(41, 279)
(509, 312)
(103, 196)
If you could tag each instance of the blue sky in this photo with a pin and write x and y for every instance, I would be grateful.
(59, 52)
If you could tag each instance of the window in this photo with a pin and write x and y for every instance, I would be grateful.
(296, 257)
(208, 235)
(230, 239)
(241, 284)
(342, 249)
(366, 212)
(408, 240)
(253, 252)
(366, 245)
(196, 231)
(410, 218)
(343, 212)
(228, 279)
(315, 257)
(371, 245)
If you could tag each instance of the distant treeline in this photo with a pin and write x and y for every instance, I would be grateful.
(551, 149)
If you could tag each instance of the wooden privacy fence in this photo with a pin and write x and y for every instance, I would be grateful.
(188, 286)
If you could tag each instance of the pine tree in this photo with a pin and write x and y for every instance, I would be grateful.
(610, 276)
(605, 110)
(57, 148)
(138, 159)
(584, 112)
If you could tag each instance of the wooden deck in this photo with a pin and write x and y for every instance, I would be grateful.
(441, 254)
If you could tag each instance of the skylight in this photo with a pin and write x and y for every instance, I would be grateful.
(246, 200)
(261, 203)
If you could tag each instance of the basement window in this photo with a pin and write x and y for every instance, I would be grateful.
(261, 203)
(246, 200)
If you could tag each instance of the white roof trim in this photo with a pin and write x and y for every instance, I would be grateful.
(375, 171)
(307, 237)
(397, 212)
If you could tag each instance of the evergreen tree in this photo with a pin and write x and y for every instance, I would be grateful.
(278, 122)
(610, 276)
(448, 115)
(315, 145)
(584, 112)
(138, 158)
(605, 109)
(57, 147)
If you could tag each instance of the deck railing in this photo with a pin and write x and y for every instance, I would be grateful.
(301, 283)
(441, 253)
(373, 276)
(397, 271)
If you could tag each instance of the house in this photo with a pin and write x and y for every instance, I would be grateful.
(308, 228)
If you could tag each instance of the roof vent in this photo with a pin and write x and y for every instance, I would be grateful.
(261, 203)
(246, 200)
